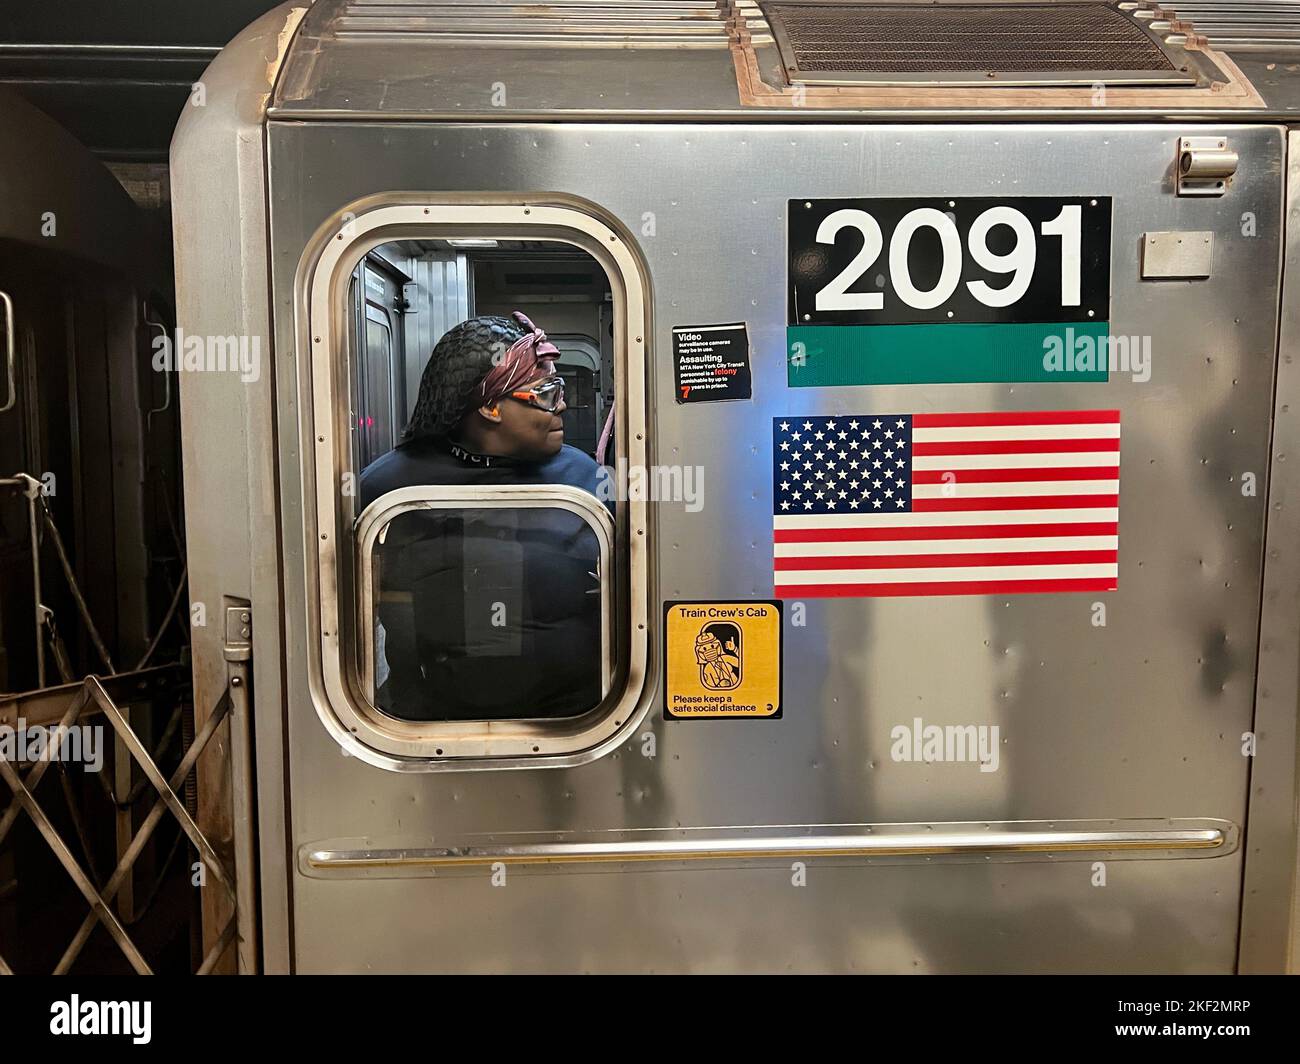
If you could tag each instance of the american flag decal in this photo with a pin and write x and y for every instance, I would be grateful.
(946, 504)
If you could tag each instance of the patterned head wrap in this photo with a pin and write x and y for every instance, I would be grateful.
(477, 363)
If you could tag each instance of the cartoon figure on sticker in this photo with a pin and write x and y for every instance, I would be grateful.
(717, 650)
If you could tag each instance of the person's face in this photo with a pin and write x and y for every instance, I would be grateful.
(527, 432)
(708, 651)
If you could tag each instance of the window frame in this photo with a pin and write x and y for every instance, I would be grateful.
(376, 518)
(332, 572)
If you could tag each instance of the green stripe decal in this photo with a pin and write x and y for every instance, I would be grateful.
(833, 356)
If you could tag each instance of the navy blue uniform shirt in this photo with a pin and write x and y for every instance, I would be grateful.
(487, 613)
(436, 462)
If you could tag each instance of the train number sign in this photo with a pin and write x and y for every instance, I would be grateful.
(940, 260)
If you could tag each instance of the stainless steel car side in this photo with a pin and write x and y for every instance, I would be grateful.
(1140, 814)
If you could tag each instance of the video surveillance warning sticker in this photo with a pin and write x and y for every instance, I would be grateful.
(712, 363)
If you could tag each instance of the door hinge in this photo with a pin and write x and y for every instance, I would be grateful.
(239, 633)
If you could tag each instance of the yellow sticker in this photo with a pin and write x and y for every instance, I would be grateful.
(722, 659)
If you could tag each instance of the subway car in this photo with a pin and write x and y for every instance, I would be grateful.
(886, 661)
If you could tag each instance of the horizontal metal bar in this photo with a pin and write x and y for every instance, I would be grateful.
(506, 19)
(151, 51)
(1210, 23)
(444, 7)
(380, 6)
(1013, 78)
(1247, 28)
(575, 39)
(570, 24)
(48, 704)
(713, 849)
(1255, 44)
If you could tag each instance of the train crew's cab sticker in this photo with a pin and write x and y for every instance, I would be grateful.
(1000, 503)
(711, 362)
(722, 659)
(945, 291)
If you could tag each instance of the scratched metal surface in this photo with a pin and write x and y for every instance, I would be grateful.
(1139, 719)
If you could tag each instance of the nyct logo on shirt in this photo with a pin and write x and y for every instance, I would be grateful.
(77, 1017)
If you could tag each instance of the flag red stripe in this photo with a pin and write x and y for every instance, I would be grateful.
(1006, 476)
(874, 534)
(1014, 502)
(939, 587)
(923, 447)
(1017, 417)
(931, 561)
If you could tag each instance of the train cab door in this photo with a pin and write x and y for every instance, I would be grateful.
(978, 748)
(379, 395)
(579, 364)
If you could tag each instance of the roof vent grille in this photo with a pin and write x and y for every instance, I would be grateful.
(834, 43)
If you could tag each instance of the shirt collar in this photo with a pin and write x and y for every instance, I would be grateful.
(465, 456)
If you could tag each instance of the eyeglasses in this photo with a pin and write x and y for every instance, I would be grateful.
(546, 395)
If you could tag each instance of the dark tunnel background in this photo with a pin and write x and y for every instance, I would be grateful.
(115, 73)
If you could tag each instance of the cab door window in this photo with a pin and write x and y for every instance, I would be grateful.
(474, 368)
(487, 612)
(484, 612)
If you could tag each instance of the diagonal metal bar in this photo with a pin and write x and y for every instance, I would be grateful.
(219, 947)
(138, 789)
(93, 691)
(74, 710)
(78, 825)
(147, 765)
(71, 578)
(61, 851)
(181, 586)
(146, 830)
